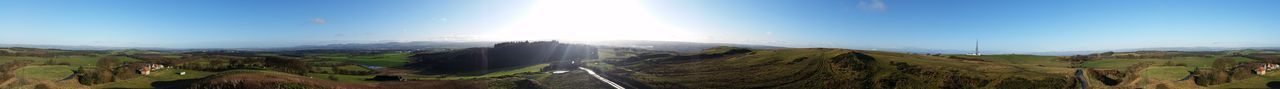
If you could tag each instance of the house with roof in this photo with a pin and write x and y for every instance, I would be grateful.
(147, 68)
(1264, 67)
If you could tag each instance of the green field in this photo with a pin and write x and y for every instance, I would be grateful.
(343, 68)
(353, 68)
(45, 73)
(163, 75)
(384, 60)
(1191, 62)
(1166, 73)
(76, 60)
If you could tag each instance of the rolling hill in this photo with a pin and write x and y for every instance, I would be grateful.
(259, 79)
(828, 68)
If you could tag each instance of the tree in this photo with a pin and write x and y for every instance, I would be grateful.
(1218, 74)
(1223, 64)
(101, 74)
(216, 64)
(288, 65)
(107, 66)
(107, 62)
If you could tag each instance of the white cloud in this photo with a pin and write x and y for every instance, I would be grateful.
(872, 5)
(319, 21)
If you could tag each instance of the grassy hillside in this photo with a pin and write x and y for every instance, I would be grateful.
(830, 68)
(266, 79)
(245, 79)
(496, 73)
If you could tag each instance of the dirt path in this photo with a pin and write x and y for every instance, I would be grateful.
(14, 78)
(622, 82)
(6, 82)
(1080, 76)
(611, 83)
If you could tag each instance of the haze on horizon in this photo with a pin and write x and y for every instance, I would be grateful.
(1008, 25)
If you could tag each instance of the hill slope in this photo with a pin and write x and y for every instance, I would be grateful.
(828, 68)
(508, 54)
(260, 79)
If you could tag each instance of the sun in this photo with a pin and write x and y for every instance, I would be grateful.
(589, 20)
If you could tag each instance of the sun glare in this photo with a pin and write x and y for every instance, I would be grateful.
(590, 20)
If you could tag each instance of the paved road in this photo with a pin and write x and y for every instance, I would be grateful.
(593, 73)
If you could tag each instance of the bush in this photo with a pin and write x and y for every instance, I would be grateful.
(1219, 74)
(91, 77)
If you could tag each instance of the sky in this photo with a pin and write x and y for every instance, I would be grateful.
(1005, 25)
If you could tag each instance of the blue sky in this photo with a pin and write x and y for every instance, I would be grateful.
(1006, 25)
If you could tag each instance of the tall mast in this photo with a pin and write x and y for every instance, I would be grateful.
(975, 48)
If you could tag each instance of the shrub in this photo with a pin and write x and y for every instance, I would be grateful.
(1219, 74)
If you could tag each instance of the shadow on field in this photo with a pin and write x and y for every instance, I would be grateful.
(175, 84)
(1273, 84)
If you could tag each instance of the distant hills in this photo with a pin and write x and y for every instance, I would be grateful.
(1066, 53)
(65, 47)
(673, 45)
(415, 45)
(933, 51)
